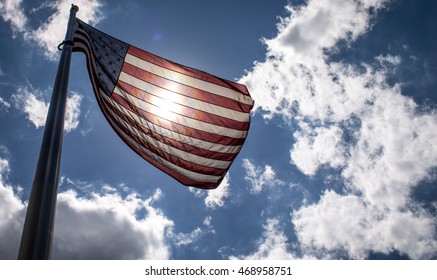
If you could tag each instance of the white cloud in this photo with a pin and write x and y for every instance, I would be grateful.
(324, 147)
(272, 246)
(320, 25)
(390, 59)
(108, 189)
(4, 166)
(351, 119)
(396, 149)
(72, 111)
(349, 223)
(260, 177)
(184, 239)
(208, 223)
(216, 197)
(296, 72)
(106, 227)
(98, 226)
(10, 10)
(4, 105)
(28, 100)
(52, 31)
(12, 213)
(36, 110)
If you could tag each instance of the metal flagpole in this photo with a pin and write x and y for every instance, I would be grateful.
(36, 240)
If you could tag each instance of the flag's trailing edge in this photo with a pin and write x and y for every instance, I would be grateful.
(188, 123)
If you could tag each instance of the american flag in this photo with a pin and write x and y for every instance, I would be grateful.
(188, 123)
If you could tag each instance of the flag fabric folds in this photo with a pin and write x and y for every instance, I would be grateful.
(188, 123)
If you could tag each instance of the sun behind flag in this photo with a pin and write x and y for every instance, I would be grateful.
(188, 123)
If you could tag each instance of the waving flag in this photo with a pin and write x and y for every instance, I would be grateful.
(188, 123)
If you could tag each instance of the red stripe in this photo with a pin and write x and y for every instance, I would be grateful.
(186, 70)
(204, 96)
(179, 177)
(181, 129)
(167, 156)
(171, 142)
(185, 90)
(186, 111)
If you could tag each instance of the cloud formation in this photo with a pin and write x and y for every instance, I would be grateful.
(51, 32)
(28, 100)
(260, 177)
(96, 226)
(12, 12)
(273, 245)
(350, 120)
(4, 105)
(351, 224)
(216, 197)
(107, 226)
(321, 146)
(12, 212)
(184, 239)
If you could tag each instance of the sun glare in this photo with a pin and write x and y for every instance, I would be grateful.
(166, 106)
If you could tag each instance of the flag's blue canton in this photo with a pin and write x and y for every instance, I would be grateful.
(109, 56)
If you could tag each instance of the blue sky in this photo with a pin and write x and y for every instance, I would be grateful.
(340, 161)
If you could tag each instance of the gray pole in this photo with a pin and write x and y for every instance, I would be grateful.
(36, 240)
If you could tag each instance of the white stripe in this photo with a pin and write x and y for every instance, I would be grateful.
(184, 100)
(171, 116)
(187, 80)
(166, 133)
(182, 171)
(171, 150)
(174, 151)
(214, 147)
(186, 121)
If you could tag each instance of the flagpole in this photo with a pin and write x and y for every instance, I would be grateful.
(37, 237)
